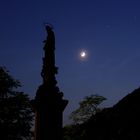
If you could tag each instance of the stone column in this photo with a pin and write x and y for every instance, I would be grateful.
(49, 103)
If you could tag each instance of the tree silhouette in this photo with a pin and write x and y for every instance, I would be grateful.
(119, 122)
(88, 107)
(15, 112)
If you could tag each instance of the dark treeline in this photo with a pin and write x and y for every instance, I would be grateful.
(16, 116)
(120, 122)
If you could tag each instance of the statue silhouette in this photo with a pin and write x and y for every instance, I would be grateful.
(48, 102)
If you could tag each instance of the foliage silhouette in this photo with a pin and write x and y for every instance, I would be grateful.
(88, 107)
(74, 132)
(119, 122)
(15, 112)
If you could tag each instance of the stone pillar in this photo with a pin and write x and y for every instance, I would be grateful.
(49, 103)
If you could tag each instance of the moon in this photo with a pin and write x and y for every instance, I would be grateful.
(83, 54)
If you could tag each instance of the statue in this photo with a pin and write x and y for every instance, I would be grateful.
(48, 102)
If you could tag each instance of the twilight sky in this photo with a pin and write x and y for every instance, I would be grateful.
(109, 30)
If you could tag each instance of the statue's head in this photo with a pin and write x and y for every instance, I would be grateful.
(48, 27)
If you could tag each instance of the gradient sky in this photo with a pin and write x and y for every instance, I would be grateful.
(108, 29)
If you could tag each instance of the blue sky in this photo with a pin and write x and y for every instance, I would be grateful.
(109, 30)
